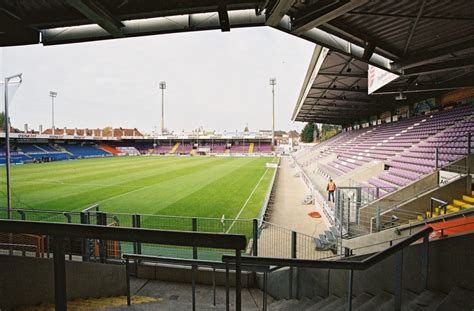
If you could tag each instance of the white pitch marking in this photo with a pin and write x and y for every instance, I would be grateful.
(246, 202)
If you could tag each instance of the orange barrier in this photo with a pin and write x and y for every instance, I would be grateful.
(108, 148)
(112, 247)
(23, 242)
(452, 227)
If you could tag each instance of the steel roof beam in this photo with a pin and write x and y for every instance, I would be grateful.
(277, 12)
(342, 74)
(98, 14)
(360, 37)
(13, 31)
(223, 17)
(430, 56)
(151, 26)
(337, 44)
(323, 12)
(340, 99)
(440, 67)
(337, 89)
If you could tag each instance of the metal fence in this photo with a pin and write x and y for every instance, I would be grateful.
(265, 239)
(280, 242)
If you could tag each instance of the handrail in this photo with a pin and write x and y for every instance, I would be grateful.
(94, 206)
(166, 237)
(196, 262)
(60, 231)
(336, 264)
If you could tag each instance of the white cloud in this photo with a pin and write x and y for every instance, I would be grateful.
(214, 79)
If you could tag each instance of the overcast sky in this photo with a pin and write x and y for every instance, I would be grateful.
(215, 80)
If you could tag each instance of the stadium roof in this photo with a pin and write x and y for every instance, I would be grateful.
(429, 42)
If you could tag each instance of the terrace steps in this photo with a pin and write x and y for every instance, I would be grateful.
(109, 149)
(251, 148)
(175, 147)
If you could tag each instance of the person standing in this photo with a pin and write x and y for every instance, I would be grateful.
(331, 187)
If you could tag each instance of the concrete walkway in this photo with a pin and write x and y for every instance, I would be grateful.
(289, 212)
(178, 296)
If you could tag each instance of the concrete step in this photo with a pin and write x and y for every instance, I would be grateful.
(293, 304)
(336, 304)
(357, 302)
(427, 300)
(457, 299)
(323, 303)
(376, 303)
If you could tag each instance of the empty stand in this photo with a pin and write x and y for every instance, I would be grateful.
(407, 148)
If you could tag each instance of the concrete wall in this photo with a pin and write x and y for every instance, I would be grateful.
(360, 174)
(30, 281)
(420, 192)
(450, 264)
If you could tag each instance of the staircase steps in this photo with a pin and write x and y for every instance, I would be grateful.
(457, 299)
(468, 199)
(251, 148)
(382, 300)
(108, 149)
(175, 147)
(38, 147)
(357, 302)
(427, 300)
(322, 303)
(292, 304)
(334, 305)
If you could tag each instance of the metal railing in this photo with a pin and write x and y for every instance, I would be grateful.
(264, 238)
(263, 209)
(351, 265)
(59, 232)
(195, 263)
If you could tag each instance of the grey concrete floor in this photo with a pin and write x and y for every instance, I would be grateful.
(178, 296)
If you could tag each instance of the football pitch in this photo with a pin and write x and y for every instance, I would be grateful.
(174, 186)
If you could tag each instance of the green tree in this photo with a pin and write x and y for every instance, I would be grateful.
(307, 135)
(329, 130)
(2, 119)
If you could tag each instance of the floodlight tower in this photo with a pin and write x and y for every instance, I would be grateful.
(273, 83)
(162, 88)
(53, 95)
(7, 142)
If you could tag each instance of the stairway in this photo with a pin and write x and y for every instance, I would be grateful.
(175, 147)
(251, 148)
(108, 149)
(467, 201)
(457, 299)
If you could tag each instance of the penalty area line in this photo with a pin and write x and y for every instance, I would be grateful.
(247, 201)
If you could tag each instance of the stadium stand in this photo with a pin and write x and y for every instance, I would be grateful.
(239, 148)
(109, 149)
(84, 151)
(184, 148)
(407, 147)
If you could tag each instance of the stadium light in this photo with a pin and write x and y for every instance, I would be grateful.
(162, 88)
(273, 83)
(53, 94)
(7, 140)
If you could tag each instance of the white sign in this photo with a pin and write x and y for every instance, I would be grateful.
(378, 77)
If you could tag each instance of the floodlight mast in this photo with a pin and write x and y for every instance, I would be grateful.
(7, 143)
(162, 88)
(273, 83)
(53, 94)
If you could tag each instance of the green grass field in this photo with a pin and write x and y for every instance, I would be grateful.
(165, 191)
(179, 186)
